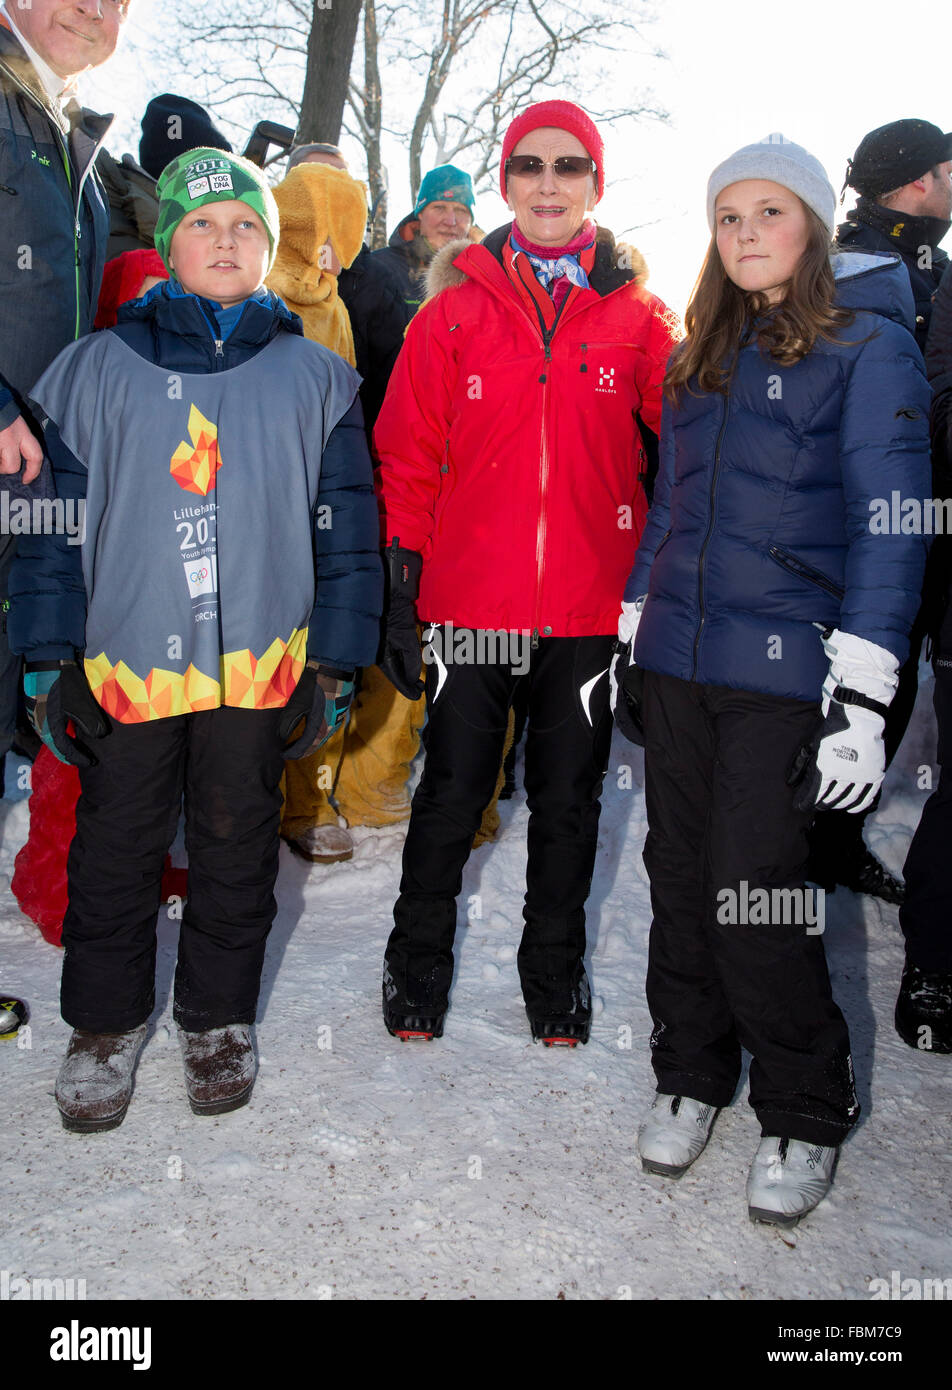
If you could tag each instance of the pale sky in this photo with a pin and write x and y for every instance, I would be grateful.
(820, 73)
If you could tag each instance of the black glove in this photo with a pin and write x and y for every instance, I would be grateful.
(321, 698)
(56, 691)
(401, 656)
(627, 683)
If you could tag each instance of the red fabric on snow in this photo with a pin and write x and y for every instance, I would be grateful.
(39, 879)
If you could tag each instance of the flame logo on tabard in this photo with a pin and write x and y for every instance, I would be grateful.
(195, 465)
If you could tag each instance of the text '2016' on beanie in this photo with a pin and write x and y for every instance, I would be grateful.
(211, 176)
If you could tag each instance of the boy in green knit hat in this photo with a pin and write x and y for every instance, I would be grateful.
(228, 586)
(199, 178)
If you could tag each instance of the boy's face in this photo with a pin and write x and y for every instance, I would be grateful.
(220, 251)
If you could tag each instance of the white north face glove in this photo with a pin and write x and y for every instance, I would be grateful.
(843, 765)
(624, 694)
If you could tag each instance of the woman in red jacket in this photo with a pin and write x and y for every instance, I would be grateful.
(511, 469)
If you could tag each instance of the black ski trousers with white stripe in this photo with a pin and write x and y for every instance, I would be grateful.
(569, 734)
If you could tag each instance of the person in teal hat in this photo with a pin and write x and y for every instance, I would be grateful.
(443, 211)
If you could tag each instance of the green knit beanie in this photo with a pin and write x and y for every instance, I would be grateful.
(205, 176)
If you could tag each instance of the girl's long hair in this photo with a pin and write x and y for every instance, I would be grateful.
(720, 312)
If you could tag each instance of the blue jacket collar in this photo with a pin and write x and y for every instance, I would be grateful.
(171, 308)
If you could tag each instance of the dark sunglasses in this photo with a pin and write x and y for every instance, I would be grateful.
(567, 166)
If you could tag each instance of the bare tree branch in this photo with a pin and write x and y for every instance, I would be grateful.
(465, 68)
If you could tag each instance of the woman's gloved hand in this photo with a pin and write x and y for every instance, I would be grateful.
(625, 679)
(57, 691)
(843, 765)
(321, 698)
(401, 656)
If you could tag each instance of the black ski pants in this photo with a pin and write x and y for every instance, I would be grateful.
(926, 914)
(567, 745)
(228, 763)
(721, 817)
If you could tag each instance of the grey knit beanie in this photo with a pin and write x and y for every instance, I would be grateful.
(780, 160)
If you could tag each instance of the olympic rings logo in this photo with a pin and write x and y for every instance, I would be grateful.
(198, 575)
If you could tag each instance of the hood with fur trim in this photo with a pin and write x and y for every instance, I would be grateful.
(443, 274)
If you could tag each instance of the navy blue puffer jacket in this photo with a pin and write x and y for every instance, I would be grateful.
(761, 525)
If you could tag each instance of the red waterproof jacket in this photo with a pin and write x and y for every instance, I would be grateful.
(508, 442)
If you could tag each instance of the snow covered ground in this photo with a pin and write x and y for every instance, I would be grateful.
(478, 1166)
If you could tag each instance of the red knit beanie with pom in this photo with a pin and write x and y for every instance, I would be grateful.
(563, 115)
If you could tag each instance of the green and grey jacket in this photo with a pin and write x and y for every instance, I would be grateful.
(230, 522)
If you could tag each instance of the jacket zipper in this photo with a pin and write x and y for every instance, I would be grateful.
(543, 481)
(443, 487)
(707, 537)
(794, 565)
(545, 335)
(77, 228)
(64, 154)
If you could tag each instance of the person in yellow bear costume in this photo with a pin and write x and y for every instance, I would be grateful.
(365, 767)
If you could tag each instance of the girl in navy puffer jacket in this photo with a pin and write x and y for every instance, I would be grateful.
(764, 622)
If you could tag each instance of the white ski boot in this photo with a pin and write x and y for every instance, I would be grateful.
(673, 1133)
(787, 1179)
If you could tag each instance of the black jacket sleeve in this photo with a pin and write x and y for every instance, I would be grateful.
(47, 618)
(378, 318)
(345, 625)
(938, 355)
(939, 372)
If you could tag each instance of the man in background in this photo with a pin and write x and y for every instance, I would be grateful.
(54, 224)
(903, 174)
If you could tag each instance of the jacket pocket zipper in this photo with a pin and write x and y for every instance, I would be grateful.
(443, 491)
(796, 566)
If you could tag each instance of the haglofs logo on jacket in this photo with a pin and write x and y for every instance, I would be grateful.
(606, 380)
(195, 466)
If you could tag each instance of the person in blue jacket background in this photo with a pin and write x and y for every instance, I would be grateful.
(227, 587)
(764, 622)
